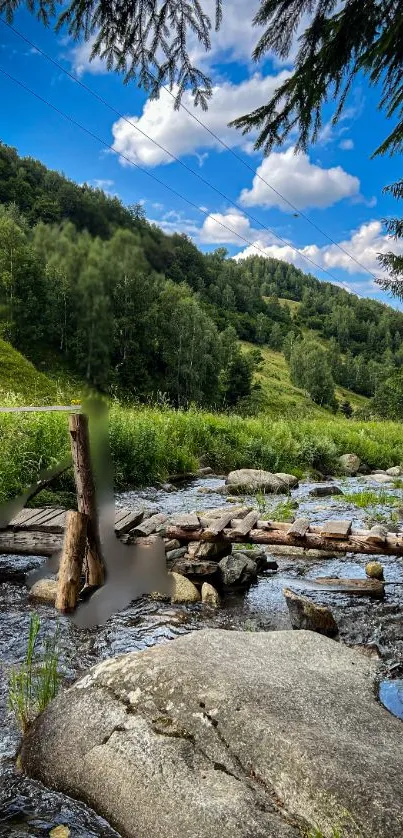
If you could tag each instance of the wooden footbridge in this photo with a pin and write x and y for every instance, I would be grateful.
(49, 530)
(41, 531)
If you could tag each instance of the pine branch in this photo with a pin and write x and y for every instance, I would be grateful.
(145, 40)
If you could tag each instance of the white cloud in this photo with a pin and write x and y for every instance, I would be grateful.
(179, 133)
(346, 145)
(303, 183)
(364, 244)
(101, 183)
(80, 60)
(226, 228)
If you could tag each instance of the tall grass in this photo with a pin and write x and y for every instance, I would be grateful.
(150, 443)
(37, 680)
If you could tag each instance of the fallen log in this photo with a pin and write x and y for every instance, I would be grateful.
(358, 587)
(30, 543)
(355, 543)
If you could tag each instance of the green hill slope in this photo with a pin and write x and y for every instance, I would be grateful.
(22, 383)
(282, 398)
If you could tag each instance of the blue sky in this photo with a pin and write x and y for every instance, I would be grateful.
(336, 184)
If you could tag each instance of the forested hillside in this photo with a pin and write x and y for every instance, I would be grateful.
(135, 312)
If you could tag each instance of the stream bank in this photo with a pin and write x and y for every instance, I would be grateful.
(26, 808)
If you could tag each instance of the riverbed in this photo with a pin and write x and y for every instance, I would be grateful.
(26, 807)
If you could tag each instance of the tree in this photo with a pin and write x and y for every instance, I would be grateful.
(388, 399)
(346, 408)
(336, 45)
(310, 370)
(143, 39)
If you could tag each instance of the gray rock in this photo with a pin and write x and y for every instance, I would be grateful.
(178, 553)
(395, 471)
(171, 544)
(246, 480)
(209, 595)
(325, 491)
(213, 551)
(195, 567)
(382, 478)
(349, 463)
(364, 469)
(237, 570)
(260, 557)
(227, 733)
(305, 614)
(44, 590)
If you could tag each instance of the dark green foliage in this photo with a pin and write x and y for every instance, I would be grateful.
(388, 399)
(393, 262)
(43, 195)
(336, 45)
(346, 409)
(310, 370)
(144, 40)
(140, 314)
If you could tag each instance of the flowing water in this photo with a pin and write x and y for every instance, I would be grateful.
(29, 809)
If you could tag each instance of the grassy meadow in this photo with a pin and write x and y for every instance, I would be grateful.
(148, 444)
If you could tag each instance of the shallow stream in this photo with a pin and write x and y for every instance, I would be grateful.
(26, 807)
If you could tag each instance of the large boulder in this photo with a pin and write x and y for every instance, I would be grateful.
(237, 734)
(349, 464)
(252, 480)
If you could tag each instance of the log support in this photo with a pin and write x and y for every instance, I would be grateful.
(71, 562)
(355, 543)
(86, 495)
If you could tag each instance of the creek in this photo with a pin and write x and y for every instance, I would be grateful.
(29, 809)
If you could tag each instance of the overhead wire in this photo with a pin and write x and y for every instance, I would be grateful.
(107, 104)
(162, 183)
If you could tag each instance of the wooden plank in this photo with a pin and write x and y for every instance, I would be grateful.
(23, 517)
(218, 525)
(130, 520)
(336, 529)
(56, 524)
(243, 526)
(43, 518)
(299, 528)
(150, 525)
(187, 521)
(121, 513)
(357, 587)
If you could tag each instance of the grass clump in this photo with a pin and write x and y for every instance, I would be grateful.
(36, 682)
(370, 498)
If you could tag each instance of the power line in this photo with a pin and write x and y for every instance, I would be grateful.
(155, 178)
(156, 143)
(185, 165)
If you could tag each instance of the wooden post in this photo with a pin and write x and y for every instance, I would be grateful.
(71, 562)
(86, 496)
